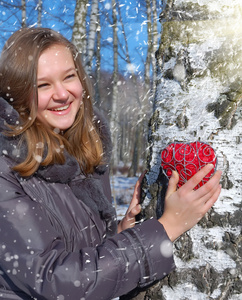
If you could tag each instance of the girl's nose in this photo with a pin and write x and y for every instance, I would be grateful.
(60, 92)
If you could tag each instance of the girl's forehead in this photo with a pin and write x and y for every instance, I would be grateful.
(56, 59)
(56, 53)
(57, 49)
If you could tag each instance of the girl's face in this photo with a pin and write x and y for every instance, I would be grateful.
(59, 88)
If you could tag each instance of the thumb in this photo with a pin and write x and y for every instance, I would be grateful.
(172, 185)
(136, 210)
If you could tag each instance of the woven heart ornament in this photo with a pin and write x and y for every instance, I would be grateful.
(187, 159)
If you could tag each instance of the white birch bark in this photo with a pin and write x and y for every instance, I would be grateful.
(39, 9)
(24, 16)
(198, 97)
(113, 119)
(79, 35)
(92, 34)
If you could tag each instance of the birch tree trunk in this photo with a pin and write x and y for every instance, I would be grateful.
(39, 9)
(24, 16)
(113, 119)
(198, 97)
(152, 41)
(79, 35)
(92, 34)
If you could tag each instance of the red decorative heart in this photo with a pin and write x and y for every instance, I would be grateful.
(187, 159)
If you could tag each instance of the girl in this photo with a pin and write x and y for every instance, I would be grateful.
(59, 236)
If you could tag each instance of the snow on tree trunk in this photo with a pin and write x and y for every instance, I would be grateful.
(198, 97)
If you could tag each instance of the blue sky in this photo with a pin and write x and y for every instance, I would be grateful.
(60, 16)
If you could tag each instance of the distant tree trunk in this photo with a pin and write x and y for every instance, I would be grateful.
(136, 150)
(24, 16)
(79, 35)
(92, 34)
(113, 119)
(124, 138)
(198, 97)
(39, 9)
(98, 66)
(152, 41)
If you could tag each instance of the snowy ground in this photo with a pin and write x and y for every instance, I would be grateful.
(122, 191)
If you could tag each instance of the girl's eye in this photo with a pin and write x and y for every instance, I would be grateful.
(42, 85)
(70, 76)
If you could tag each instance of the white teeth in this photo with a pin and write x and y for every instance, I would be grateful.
(61, 108)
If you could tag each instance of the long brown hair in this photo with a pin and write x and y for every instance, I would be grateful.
(18, 85)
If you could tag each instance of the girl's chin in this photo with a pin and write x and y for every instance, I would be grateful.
(58, 128)
(60, 122)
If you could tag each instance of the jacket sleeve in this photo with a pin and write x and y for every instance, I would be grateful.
(34, 259)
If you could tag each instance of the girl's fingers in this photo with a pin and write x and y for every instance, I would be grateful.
(134, 207)
(134, 211)
(212, 200)
(172, 184)
(198, 177)
(207, 190)
(129, 220)
(137, 190)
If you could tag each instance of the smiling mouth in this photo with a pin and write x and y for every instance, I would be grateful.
(61, 108)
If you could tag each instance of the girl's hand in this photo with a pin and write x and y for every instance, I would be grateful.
(134, 208)
(185, 207)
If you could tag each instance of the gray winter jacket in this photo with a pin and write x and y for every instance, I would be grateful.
(58, 242)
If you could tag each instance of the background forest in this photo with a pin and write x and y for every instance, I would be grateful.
(118, 40)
